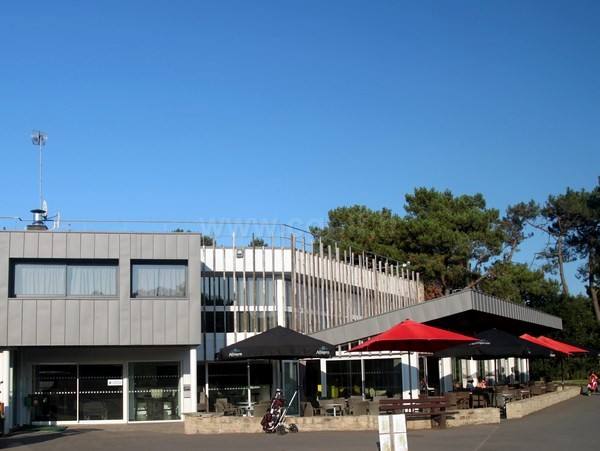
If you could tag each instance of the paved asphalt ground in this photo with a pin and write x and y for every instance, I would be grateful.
(571, 425)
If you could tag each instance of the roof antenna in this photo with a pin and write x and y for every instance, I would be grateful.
(40, 215)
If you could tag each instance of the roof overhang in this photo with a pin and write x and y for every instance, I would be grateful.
(467, 312)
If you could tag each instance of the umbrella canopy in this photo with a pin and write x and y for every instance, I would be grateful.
(555, 345)
(412, 336)
(590, 352)
(562, 347)
(496, 344)
(277, 343)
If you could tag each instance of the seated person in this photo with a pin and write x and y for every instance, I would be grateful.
(470, 385)
(482, 383)
(456, 385)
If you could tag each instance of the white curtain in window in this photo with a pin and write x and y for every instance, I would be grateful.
(91, 281)
(158, 280)
(40, 279)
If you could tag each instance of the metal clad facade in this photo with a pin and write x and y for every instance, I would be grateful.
(100, 321)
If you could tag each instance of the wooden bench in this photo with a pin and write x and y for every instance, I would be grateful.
(436, 408)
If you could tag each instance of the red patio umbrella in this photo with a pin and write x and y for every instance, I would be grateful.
(563, 349)
(555, 345)
(411, 336)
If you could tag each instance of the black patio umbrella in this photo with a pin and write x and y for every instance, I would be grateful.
(278, 343)
(496, 344)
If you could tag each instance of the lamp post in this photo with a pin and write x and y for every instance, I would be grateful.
(39, 138)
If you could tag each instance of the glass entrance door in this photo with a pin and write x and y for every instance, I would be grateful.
(291, 385)
(100, 392)
(54, 393)
(71, 392)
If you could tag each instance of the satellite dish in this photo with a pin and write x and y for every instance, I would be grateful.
(45, 208)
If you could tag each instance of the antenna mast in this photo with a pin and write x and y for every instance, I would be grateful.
(39, 138)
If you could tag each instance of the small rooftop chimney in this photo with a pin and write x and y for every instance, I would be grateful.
(39, 217)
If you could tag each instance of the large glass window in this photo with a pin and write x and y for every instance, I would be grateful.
(383, 377)
(154, 391)
(64, 278)
(54, 393)
(228, 380)
(158, 279)
(68, 392)
(91, 280)
(101, 392)
(344, 378)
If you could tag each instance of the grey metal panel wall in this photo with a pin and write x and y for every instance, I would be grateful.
(72, 313)
(58, 320)
(86, 322)
(4, 265)
(119, 321)
(135, 323)
(43, 317)
(129, 326)
(73, 245)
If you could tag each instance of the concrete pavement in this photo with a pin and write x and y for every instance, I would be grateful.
(571, 424)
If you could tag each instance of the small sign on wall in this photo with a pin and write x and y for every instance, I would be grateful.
(115, 382)
(187, 391)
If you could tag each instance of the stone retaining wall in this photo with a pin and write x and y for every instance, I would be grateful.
(213, 424)
(203, 423)
(518, 409)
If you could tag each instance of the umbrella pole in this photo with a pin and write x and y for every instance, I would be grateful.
(249, 389)
(410, 393)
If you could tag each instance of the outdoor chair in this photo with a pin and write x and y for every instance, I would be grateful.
(202, 402)
(94, 410)
(359, 408)
(331, 407)
(479, 399)
(536, 390)
(307, 409)
(452, 400)
(223, 406)
(351, 400)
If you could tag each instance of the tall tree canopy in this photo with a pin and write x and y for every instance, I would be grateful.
(456, 242)
(448, 238)
(572, 223)
(376, 232)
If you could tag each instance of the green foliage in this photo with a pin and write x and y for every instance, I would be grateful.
(517, 283)
(207, 240)
(257, 242)
(359, 228)
(456, 242)
(448, 239)
(204, 240)
(579, 327)
(515, 223)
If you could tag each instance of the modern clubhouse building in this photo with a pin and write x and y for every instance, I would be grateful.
(124, 327)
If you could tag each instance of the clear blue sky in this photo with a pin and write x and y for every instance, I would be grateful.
(282, 110)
